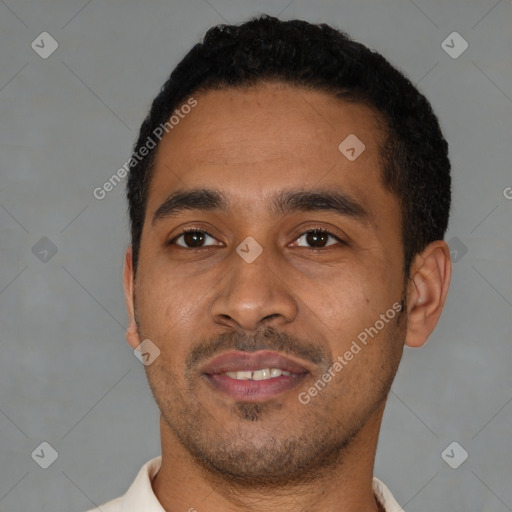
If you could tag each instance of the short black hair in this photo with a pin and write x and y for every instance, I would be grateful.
(416, 167)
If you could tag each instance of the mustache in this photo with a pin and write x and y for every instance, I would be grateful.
(267, 339)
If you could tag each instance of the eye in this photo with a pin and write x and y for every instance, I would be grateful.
(192, 239)
(198, 238)
(318, 238)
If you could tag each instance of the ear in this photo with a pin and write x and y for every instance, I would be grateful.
(132, 333)
(431, 272)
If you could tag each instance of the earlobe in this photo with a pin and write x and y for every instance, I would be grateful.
(427, 291)
(132, 333)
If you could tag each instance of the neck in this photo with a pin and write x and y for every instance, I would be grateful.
(182, 485)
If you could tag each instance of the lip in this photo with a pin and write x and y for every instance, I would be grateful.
(237, 361)
(253, 390)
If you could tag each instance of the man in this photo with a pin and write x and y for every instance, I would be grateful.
(288, 193)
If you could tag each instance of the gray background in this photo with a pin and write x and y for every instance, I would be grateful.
(68, 122)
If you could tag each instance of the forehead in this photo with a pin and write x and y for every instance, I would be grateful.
(252, 141)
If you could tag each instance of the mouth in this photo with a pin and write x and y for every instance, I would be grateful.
(254, 376)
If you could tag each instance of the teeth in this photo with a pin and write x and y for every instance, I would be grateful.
(261, 374)
(264, 374)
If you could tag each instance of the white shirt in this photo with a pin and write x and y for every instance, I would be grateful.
(141, 498)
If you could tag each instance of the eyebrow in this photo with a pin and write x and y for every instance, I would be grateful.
(284, 203)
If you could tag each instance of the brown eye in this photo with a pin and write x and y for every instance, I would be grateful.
(318, 238)
(192, 239)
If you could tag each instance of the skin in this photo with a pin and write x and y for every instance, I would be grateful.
(318, 294)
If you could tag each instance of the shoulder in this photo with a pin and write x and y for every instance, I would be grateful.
(385, 497)
(140, 493)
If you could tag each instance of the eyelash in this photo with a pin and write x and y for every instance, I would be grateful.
(322, 231)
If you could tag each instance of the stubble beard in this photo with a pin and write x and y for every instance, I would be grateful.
(243, 457)
(269, 460)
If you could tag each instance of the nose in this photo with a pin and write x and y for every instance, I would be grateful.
(254, 294)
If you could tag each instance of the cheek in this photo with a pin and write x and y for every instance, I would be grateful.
(164, 297)
(152, 306)
(348, 302)
(171, 310)
(335, 309)
(381, 284)
(339, 304)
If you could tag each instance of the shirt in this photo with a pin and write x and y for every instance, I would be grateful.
(140, 496)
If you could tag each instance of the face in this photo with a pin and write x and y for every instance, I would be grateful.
(276, 313)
